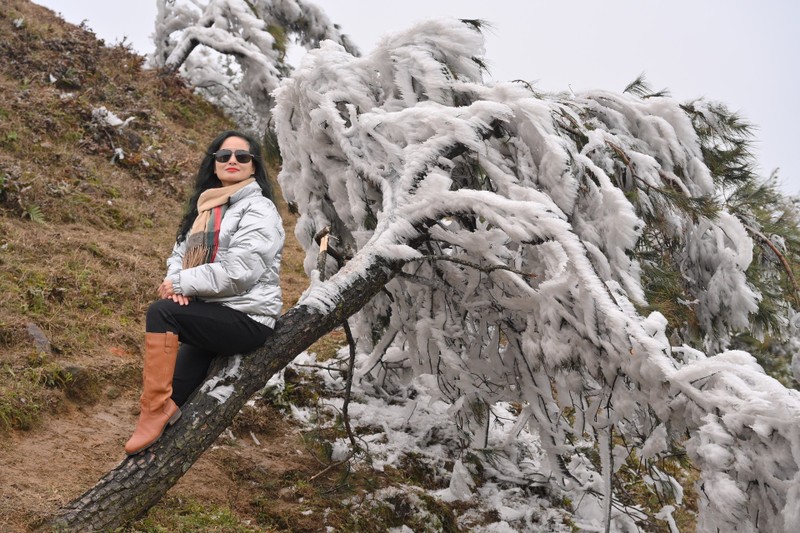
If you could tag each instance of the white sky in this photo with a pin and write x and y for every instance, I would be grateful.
(739, 52)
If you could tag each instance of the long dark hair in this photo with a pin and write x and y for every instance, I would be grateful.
(207, 178)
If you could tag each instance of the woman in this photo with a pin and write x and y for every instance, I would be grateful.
(221, 295)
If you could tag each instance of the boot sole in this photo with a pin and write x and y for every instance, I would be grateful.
(174, 418)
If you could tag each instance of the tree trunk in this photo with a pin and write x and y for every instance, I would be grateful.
(141, 480)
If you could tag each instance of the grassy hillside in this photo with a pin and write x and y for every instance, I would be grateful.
(88, 209)
(88, 213)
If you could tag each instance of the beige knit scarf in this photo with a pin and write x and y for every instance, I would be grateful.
(203, 238)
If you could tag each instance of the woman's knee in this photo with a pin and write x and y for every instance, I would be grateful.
(158, 316)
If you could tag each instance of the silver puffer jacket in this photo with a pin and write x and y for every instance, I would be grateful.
(245, 272)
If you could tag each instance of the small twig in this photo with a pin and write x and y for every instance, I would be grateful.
(782, 258)
(488, 269)
(354, 447)
(324, 249)
(332, 466)
(349, 385)
(110, 140)
(321, 367)
(625, 159)
(435, 283)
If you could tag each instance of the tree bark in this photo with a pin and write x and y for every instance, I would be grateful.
(140, 481)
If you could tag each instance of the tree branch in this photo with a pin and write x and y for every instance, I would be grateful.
(782, 258)
(488, 269)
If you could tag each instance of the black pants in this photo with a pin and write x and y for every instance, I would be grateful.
(205, 330)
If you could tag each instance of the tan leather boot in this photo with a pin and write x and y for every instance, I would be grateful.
(158, 409)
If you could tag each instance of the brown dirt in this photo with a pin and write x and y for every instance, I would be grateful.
(57, 461)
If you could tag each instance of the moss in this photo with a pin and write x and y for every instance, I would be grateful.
(29, 392)
(175, 515)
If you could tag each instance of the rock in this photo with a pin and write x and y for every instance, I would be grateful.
(82, 387)
(39, 338)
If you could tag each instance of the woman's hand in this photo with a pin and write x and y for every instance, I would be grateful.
(165, 290)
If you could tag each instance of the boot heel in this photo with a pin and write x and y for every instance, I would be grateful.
(174, 418)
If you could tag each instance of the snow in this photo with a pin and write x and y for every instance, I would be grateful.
(666, 514)
(416, 424)
(461, 484)
(219, 386)
(655, 443)
(103, 116)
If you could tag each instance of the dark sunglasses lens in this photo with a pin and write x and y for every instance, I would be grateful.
(243, 157)
(222, 156)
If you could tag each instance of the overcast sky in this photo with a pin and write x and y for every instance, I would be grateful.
(743, 53)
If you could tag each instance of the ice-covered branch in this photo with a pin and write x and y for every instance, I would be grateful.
(238, 47)
(407, 156)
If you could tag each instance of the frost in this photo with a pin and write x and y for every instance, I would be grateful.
(666, 514)
(341, 449)
(103, 116)
(225, 49)
(119, 155)
(221, 393)
(461, 484)
(218, 386)
(532, 209)
(656, 443)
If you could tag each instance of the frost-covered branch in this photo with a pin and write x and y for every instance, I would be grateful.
(781, 257)
(407, 155)
(234, 51)
(483, 268)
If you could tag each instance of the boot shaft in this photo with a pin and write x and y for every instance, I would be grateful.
(161, 351)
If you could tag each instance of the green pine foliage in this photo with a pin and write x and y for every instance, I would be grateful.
(772, 221)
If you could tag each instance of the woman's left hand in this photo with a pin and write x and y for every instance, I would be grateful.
(165, 290)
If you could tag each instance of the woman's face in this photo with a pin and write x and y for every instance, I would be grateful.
(232, 171)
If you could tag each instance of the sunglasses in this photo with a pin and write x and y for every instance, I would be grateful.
(223, 156)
